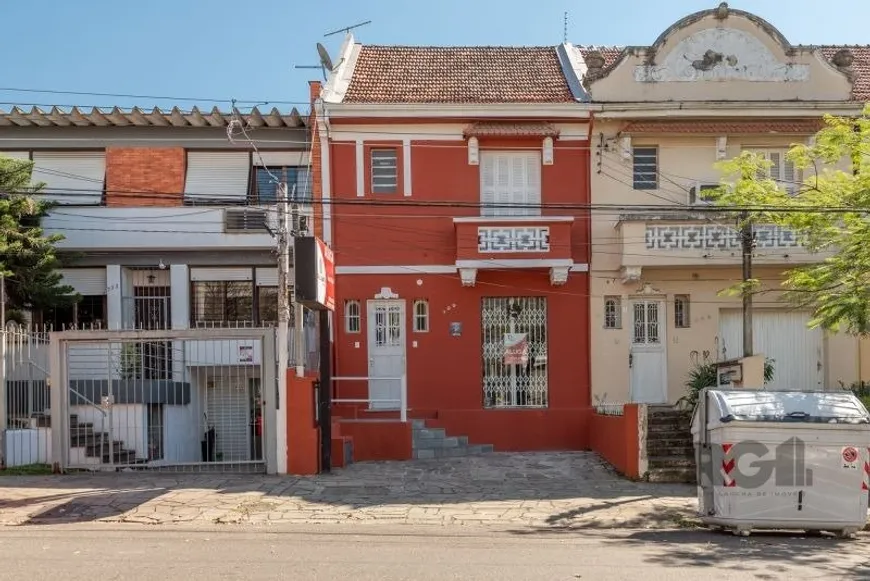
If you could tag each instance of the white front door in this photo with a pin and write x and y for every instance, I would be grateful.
(648, 355)
(386, 340)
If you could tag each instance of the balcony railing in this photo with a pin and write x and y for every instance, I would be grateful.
(506, 238)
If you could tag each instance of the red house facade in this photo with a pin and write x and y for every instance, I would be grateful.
(454, 182)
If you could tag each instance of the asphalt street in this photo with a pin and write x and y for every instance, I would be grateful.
(389, 553)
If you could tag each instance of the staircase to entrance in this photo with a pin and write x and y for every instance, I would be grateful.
(433, 442)
(670, 451)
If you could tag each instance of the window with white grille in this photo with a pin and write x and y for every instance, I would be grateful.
(385, 170)
(510, 183)
(352, 319)
(421, 316)
(514, 345)
(782, 170)
(612, 312)
(681, 312)
(645, 167)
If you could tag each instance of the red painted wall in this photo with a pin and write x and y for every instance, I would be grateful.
(382, 229)
(616, 438)
(303, 435)
(379, 441)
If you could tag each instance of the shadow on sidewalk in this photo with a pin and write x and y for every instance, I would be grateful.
(500, 477)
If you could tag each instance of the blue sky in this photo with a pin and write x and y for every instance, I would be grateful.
(222, 49)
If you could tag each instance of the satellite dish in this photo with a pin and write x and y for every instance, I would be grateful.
(325, 60)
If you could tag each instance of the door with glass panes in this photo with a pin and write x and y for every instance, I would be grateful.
(648, 355)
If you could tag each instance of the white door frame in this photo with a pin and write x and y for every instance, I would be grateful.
(660, 348)
(374, 385)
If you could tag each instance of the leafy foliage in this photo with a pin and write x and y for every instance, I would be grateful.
(28, 258)
(837, 170)
(703, 374)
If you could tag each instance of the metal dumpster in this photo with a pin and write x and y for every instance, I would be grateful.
(789, 460)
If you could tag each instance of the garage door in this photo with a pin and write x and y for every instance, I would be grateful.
(782, 336)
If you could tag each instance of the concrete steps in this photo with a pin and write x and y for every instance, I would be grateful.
(94, 446)
(429, 443)
(670, 451)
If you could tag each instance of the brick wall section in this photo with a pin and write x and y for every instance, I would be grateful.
(316, 163)
(145, 176)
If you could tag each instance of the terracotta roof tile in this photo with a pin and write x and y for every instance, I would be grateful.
(860, 68)
(480, 74)
(498, 129)
(610, 53)
(799, 126)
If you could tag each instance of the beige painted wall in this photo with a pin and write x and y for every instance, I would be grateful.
(753, 49)
(610, 347)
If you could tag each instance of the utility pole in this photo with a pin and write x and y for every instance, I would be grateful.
(283, 342)
(747, 242)
(3, 388)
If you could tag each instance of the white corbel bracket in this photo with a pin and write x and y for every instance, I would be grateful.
(468, 276)
(630, 273)
(721, 147)
(559, 275)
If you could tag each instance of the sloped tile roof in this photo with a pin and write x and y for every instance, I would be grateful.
(701, 126)
(860, 68)
(610, 53)
(473, 74)
(501, 129)
(135, 117)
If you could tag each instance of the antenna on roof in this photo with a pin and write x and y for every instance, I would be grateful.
(348, 28)
(565, 28)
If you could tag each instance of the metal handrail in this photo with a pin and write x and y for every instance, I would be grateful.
(94, 405)
(403, 393)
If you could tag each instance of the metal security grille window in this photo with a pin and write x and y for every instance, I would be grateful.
(612, 313)
(510, 183)
(646, 323)
(352, 318)
(421, 316)
(385, 171)
(267, 306)
(681, 312)
(514, 345)
(645, 168)
(298, 180)
(89, 312)
(223, 303)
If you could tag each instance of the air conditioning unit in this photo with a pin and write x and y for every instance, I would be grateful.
(696, 193)
(238, 220)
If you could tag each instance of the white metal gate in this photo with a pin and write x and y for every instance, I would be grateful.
(514, 337)
(197, 403)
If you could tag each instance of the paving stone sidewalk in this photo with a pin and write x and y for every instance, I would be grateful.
(544, 490)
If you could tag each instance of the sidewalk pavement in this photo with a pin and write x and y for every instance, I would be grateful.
(508, 490)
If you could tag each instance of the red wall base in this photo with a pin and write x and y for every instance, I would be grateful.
(379, 440)
(616, 439)
(519, 430)
(303, 435)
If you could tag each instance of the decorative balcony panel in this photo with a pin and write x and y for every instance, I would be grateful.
(498, 239)
(526, 238)
(653, 241)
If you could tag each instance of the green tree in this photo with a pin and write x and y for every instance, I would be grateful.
(28, 258)
(829, 210)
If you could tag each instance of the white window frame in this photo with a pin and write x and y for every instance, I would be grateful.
(384, 187)
(421, 316)
(683, 313)
(617, 312)
(640, 164)
(350, 316)
(783, 171)
(510, 177)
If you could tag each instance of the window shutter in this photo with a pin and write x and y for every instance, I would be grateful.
(776, 165)
(533, 184)
(71, 177)
(487, 183)
(519, 185)
(217, 177)
(503, 185)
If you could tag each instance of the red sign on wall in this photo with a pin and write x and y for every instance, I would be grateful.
(314, 266)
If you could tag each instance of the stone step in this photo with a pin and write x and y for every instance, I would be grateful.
(671, 462)
(427, 443)
(429, 433)
(458, 452)
(668, 421)
(681, 475)
(103, 448)
(121, 457)
(657, 450)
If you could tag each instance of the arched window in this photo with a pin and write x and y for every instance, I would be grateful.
(352, 320)
(421, 316)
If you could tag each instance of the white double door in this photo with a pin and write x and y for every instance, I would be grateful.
(386, 351)
(648, 355)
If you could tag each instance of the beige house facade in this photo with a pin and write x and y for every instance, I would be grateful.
(714, 84)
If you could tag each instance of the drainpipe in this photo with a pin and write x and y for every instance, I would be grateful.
(589, 261)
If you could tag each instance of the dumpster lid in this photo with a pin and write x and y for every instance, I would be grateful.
(788, 406)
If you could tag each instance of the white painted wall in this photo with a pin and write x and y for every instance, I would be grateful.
(183, 430)
(222, 352)
(129, 424)
(141, 229)
(25, 447)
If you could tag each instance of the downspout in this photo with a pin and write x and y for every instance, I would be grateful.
(589, 260)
